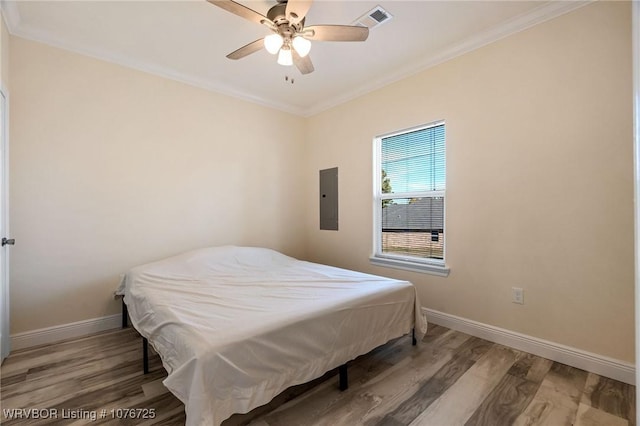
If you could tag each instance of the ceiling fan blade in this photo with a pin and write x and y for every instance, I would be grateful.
(297, 9)
(303, 64)
(337, 33)
(247, 49)
(240, 10)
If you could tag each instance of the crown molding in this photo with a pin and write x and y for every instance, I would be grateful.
(522, 22)
(129, 62)
(10, 14)
(539, 15)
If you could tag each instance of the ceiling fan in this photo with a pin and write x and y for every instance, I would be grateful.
(290, 38)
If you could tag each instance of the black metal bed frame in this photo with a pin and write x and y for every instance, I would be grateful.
(342, 370)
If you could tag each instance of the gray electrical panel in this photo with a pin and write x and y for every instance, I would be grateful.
(329, 199)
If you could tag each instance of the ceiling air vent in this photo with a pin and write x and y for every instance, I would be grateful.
(374, 17)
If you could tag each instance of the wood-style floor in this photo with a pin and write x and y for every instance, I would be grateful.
(450, 378)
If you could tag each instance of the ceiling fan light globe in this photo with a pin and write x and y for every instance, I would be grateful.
(285, 58)
(302, 46)
(273, 43)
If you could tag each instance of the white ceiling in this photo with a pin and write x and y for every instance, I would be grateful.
(187, 40)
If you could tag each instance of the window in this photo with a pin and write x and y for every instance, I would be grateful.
(410, 182)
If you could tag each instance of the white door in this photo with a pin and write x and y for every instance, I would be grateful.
(5, 340)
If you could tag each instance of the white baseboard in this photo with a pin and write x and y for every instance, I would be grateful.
(602, 365)
(56, 333)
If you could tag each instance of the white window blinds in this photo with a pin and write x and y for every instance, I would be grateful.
(411, 194)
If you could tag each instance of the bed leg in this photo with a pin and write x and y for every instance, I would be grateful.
(344, 379)
(125, 314)
(145, 355)
(413, 337)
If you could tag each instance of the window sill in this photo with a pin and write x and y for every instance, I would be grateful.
(426, 268)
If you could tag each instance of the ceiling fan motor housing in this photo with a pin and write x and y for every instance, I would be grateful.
(277, 15)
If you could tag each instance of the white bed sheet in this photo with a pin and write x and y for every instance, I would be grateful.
(235, 326)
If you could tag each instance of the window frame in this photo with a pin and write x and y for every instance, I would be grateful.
(430, 266)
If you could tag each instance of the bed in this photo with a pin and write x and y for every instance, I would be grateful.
(235, 326)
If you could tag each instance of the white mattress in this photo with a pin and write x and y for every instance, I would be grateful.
(235, 326)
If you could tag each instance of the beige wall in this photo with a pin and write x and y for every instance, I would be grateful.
(539, 174)
(112, 167)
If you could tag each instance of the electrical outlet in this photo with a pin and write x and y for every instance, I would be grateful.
(517, 295)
